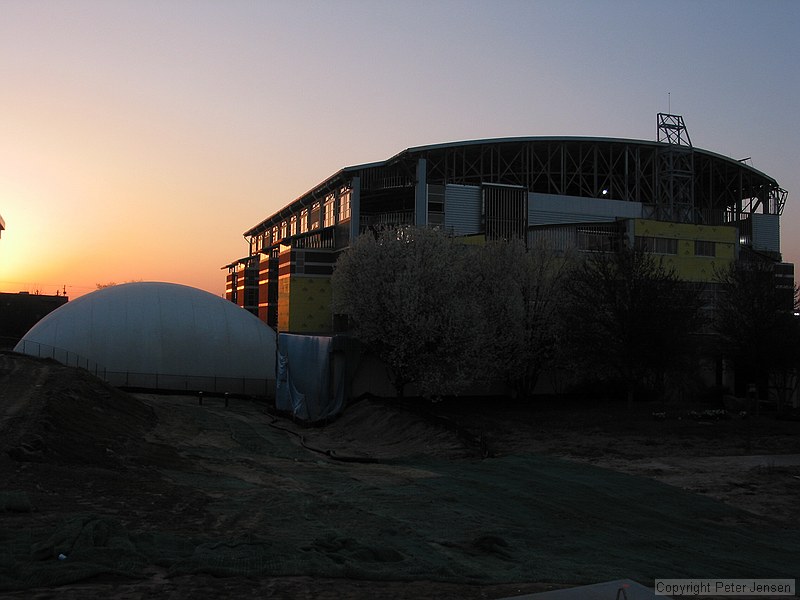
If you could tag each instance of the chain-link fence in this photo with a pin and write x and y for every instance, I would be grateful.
(152, 381)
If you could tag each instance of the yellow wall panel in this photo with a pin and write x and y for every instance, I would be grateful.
(686, 231)
(686, 264)
(309, 305)
(284, 287)
(477, 239)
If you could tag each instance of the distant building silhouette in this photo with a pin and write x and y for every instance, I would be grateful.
(19, 312)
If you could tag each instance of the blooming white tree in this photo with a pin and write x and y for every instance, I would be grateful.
(406, 296)
(441, 313)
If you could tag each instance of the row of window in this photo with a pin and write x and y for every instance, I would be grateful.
(658, 245)
(321, 214)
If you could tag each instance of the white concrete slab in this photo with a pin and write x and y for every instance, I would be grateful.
(620, 589)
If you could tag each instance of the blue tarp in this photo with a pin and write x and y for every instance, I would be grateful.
(311, 378)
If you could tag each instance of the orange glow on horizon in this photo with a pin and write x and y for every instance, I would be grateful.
(139, 140)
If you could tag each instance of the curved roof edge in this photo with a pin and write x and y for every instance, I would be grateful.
(567, 138)
(326, 184)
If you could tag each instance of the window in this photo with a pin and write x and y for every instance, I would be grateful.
(260, 241)
(596, 239)
(344, 205)
(435, 205)
(304, 220)
(657, 245)
(329, 214)
(313, 216)
(704, 248)
(293, 225)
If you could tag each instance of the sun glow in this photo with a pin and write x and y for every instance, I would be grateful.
(138, 141)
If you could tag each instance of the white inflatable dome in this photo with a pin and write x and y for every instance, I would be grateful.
(159, 335)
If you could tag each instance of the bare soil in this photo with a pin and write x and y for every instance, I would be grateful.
(70, 445)
(749, 462)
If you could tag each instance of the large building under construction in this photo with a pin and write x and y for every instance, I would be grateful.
(700, 210)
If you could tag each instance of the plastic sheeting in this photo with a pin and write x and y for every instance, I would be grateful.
(311, 376)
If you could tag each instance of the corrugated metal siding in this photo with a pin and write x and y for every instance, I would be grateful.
(549, 209)
(462, 209)
(766, 232)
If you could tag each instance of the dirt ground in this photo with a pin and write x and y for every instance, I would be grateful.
(70, 445)
(750, 463)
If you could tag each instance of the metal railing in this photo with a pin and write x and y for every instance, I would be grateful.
(316, 239)
(388, 219)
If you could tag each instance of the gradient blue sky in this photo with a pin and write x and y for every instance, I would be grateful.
(139, 139)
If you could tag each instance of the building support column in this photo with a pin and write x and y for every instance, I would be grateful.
(421, 194)
(355, 208)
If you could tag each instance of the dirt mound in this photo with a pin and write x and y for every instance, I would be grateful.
(384, 430)
(58, 414)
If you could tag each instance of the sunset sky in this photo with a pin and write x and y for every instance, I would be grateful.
(139, 139)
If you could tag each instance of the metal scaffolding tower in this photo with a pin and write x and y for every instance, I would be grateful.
(675, 199)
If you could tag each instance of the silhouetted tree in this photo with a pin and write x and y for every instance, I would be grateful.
(757, 328)
(629, 318)
(518, 294)
(108, 284)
